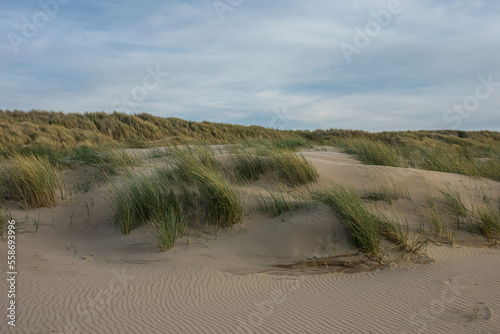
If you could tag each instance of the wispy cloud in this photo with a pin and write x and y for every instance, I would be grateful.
(262, 57)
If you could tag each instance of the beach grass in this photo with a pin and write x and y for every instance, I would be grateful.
(488, 221)
(434, 152)
(292, 168)
(439, 226)
(32, 180)
(5, 216)
(249, 162)
(455, 206)
(372, 152)
(224, 205)
(279, 203)
(388, 194)
(142, 197)
(366, 229)
(167, 225)
(248, 167)
(363, 227)
(110, 161)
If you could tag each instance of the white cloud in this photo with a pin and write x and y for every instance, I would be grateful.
(263, 57)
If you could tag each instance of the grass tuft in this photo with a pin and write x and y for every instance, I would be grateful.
(440, 228)
(5, 216)
(398, 234)
(167, 225)
(250, 162)
(387, 194)
(224, 205)
(362, 226)
(279, 203)
(372, 152)
(198, 169)
(141, 198)
(248, 167)
(489, 221)
(455, 206)
(292, 168)
(32, 180)
(110, 161)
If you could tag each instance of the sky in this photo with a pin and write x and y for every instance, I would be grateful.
(374, 65)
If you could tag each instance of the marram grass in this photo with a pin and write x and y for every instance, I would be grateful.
(365, 229)
(166, 226)
(287, 166)
(157, 196)
(32, 180)
(278, 203)
(141, 198)
(199, 169)
(489, 221)
(362, 226)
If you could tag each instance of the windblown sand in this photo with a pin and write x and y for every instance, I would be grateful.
(79, 274)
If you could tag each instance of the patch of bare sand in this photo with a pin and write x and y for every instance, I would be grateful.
(78, 274)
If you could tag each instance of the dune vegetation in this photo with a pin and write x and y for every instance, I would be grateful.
(56, 134)
(196, 180)
(32, 180)
(192, 185)
(366, 229)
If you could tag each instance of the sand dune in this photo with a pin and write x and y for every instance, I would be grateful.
(79, 274)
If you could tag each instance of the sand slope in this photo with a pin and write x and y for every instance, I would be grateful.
(85, 277)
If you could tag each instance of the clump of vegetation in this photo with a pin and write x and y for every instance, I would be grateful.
(148, 198)
(143, 197)
(278, 203)
(5, 216)
(455, 206)
(109, 161)
(286, 165)
(290, 144)
(440, 228)
(387, 194)
(292, 168)
(163, 196)
(398, 234)
(478, 155)
(32, 180)
(373, 152)
(167, 225)
(224, 204)
(362, 226)
(54, 156)
(198, 168)
(367, 229)
(489, 221)
(248, 167)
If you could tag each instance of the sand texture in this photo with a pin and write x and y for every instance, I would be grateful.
(79, 274)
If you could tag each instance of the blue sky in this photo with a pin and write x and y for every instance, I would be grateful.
(371, 65)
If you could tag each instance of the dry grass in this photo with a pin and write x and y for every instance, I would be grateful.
(362, 226)
(366, 229)
(478, 157)
(143, 197)
(5, 216)
(278, 203)
(249, 162)
(32, 180)
(488, 221)
(387, 194)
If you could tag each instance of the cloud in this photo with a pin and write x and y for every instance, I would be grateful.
(261, 59)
